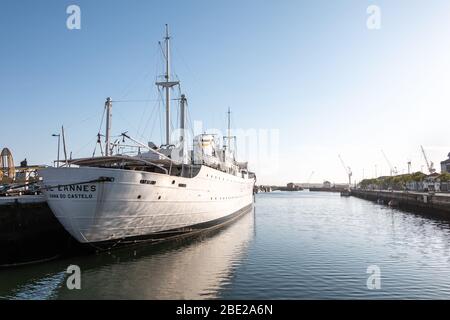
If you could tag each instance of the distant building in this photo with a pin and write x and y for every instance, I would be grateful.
(414, 185)
(327, 185)
(432, 182)
(293, 187)
(445, 165)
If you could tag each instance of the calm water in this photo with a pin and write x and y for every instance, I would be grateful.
(294, 246)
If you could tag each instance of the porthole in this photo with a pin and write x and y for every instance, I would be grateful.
(148, 182)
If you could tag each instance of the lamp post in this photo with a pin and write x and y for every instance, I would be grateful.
(59, 138)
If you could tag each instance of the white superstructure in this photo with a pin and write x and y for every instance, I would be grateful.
(160, 191)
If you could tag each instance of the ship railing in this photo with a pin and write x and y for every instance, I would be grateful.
(112, 159)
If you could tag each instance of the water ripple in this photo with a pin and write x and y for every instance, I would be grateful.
(296, 245)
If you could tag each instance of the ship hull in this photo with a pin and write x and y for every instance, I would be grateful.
(171, 235)
(129, 204)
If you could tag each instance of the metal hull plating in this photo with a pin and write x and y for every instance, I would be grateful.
(138, 203)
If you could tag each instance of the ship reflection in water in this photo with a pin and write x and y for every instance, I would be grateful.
(184, 269)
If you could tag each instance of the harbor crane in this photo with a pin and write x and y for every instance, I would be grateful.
(393, 170)
(430, 164)
(309, 179)
(348, 170)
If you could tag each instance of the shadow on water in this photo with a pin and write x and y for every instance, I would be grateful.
(436, 216)
(184, 268)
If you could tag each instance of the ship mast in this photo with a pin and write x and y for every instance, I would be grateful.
(182, 127)
(167, 84)
(108, 106)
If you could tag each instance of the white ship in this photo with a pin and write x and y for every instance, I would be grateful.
(156, 192)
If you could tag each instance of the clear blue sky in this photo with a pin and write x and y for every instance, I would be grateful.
(310, 69)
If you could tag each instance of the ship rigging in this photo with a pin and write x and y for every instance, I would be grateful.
(156, 190)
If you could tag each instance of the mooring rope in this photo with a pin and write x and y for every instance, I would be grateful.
(5, 191)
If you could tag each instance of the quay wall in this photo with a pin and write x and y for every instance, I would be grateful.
(327, 189)
(435, 203)
(30, 232)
